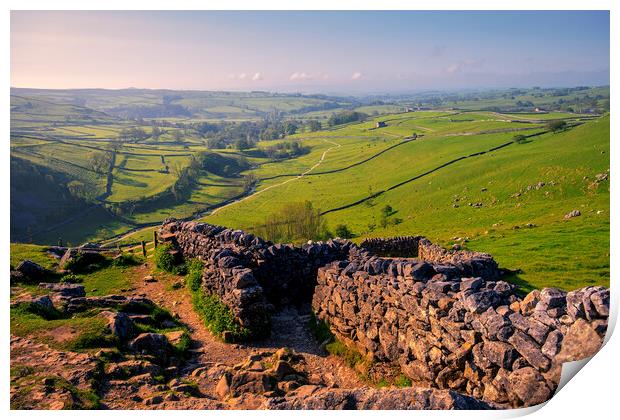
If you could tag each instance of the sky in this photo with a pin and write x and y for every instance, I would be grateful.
(329, 52)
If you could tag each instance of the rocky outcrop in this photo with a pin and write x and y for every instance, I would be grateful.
(44, 378)
(126, 303)
(266, 373)
(77, 259)
(315, 398)
(119, 324)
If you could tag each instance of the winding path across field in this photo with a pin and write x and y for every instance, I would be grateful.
(301, 175)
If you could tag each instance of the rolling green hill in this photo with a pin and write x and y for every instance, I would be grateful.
(510, 202)
(481, 170)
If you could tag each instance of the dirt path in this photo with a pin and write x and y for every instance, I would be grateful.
(289, 329)
(206, 349)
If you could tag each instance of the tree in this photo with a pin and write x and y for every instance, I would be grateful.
(132, 134)
(520, 138)
(342, 231)
(294, 222)
(77, 189)
(346, 117)
(243, 144)
(314, 125)
(387, 211)
(100, 161)
(248, 181)
(155, 132)
(557, 125)
(290, 127)
(178, 136)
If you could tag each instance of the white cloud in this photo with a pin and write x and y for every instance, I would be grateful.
(245, 76)
(356, 76)
(300, 76)
(468, 62)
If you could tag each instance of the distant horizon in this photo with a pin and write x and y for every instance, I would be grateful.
(312, 51)
(325, 93)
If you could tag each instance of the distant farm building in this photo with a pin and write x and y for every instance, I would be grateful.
(380, 124)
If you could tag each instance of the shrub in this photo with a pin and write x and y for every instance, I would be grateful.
(320, 330)
(343, 231)
(193, 280)
(86, 262)
(557, 125)
(165, 260)
(349, 355)
(125, 260)
(402, 381)
(218, 317)
(71, 278)
(95, 335)
(38, 310)
(183, 345)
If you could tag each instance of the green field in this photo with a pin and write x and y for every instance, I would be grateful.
(447, 164)
(558, 252)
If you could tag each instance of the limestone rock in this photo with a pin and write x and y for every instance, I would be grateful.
(376, 399)
(530, 386)
(581, 341)
(31, 271)
(119, 324)
(153, 344)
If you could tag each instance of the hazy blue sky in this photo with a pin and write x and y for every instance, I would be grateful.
(309, 51)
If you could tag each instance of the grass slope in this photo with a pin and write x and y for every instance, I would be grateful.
(557, 252)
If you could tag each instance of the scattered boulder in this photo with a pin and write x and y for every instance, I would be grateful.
(153, 344)
(571, 214)
(79, 259)
(119, 324)
(31, 271)
(43, 302)
(66, 290)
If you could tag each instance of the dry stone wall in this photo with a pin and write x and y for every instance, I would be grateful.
(254, 277)
(442, 316)
(469, 263)
(468, 334)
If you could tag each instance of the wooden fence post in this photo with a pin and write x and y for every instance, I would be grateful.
(155, 238)
(143, 243)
